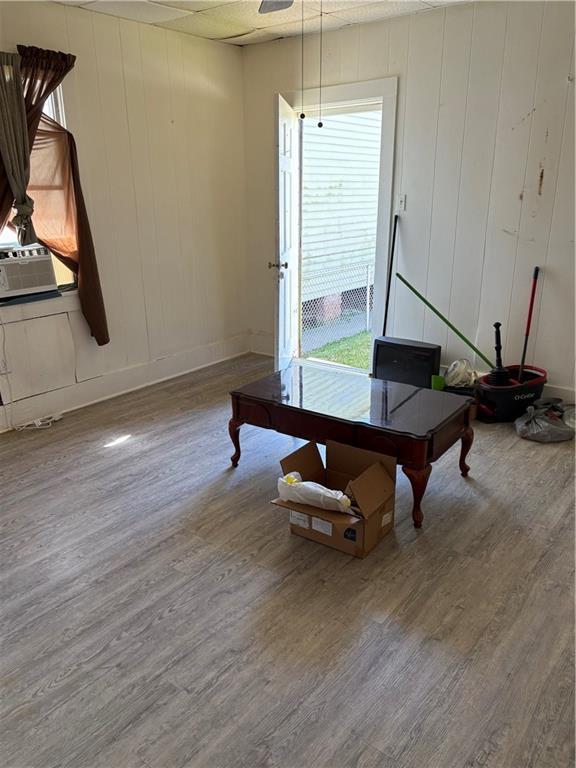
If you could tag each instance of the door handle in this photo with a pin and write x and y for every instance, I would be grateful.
(278, 265)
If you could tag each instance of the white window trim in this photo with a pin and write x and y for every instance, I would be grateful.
(367, 91)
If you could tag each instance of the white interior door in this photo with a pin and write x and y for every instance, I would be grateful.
(287, 261)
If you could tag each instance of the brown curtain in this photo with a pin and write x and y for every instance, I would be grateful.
(61, 220)
(42, 72)
(60, 216)
(14, 147)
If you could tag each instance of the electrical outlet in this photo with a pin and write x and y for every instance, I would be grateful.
(401, 203)
(3, 366)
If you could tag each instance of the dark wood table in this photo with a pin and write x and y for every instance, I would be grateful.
(321, 403)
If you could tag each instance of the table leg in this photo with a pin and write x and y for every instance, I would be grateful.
(418, 480)
(467, 440)
(234, 431)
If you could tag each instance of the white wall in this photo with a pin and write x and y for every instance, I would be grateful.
(484, 153)
(158, 120)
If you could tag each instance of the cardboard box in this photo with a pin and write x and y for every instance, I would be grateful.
(370, 478)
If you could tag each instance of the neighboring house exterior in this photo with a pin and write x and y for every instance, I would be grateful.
(340, 181)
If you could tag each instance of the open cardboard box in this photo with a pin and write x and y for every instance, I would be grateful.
(368, 477)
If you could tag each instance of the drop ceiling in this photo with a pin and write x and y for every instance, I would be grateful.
(238, 21)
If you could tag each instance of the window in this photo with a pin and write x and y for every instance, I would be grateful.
(65, 279)
(54, 107)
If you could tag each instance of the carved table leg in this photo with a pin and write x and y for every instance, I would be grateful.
(234, 431)
(418, 480)
(467, 440)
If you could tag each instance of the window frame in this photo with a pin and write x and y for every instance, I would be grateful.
(54, 108)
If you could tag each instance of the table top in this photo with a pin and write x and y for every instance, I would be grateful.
(355, 397)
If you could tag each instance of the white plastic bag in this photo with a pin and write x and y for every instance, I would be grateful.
(291, 487)
(460, 374)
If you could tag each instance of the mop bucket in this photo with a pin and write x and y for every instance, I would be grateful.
(509, 402)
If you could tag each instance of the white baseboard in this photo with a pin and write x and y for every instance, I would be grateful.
(262, 343)
(119, 382)
(568, 394)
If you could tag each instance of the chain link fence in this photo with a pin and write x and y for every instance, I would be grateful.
(336, 314)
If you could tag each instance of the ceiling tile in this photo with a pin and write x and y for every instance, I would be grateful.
(361, 14)
(238, 22)
(310, 26)
(137, 10)
(246, 12)
(203, 26)
(333, 6)
(258, 36)
(194, 5)
(439, 3)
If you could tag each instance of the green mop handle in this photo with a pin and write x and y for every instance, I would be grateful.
(448, 323)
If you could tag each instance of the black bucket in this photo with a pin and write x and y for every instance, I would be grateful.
(507, 403)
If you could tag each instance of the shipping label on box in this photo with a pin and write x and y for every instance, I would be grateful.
(322, 526)
(299, 519)
(386, 519)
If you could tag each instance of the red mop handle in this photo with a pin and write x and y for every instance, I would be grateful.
(528, 323)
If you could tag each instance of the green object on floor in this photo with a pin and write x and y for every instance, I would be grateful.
(438, 383)
(352, 350)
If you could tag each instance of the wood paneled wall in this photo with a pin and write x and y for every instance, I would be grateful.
(484, 153)
(158, 120)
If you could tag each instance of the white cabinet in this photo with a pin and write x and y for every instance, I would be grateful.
(38, 356)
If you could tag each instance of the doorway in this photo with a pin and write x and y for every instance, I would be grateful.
(334, 203)
(339, 216)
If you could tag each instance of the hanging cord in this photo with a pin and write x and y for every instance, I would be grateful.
(320, 123)
(302, 115)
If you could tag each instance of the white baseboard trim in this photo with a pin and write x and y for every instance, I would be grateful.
(262, 343)
(568, 394)
(120, 382)
(126, 380)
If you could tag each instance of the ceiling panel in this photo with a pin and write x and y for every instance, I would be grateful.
(310, 26)
(137, 10)
(246, 12)
(195, 5)
(203, 26)
(438, 3)
(238, 22)
(333, 6)
(257, 36)
(360, 14)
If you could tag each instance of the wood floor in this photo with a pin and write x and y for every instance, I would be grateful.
(157, 613)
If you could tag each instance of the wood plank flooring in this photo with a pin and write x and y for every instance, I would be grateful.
(156, 612)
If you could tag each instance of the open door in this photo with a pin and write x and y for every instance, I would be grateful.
(389, 88)
(287, 261)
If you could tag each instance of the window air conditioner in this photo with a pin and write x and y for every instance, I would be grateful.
(25, 271)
